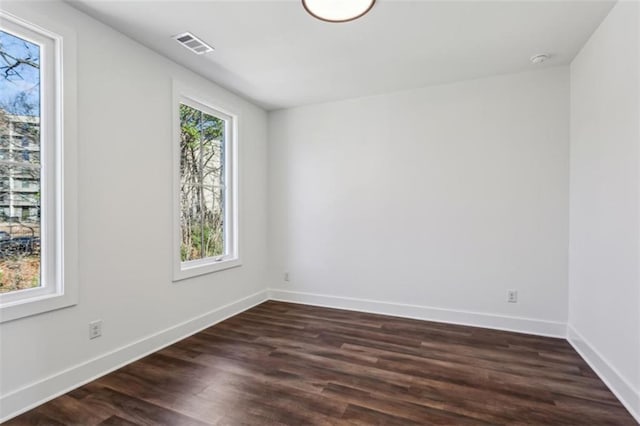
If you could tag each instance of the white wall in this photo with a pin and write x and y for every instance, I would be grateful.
(604, 302)
(443, 197)
(125, 219)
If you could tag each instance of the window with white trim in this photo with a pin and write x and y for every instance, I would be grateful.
(31, 172)
(206, 213)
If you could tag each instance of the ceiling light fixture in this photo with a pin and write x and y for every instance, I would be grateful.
(337, 10)
(539, 58)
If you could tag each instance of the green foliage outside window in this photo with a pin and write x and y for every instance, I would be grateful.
(201, 184)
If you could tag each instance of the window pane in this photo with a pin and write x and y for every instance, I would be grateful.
(19, 163)
(19, 227)
(202, 184)
(190, 185)
(213, 184)
(20, 76)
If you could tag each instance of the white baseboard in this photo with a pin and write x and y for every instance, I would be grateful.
(474, 319)
(621, 388)
(32, 395)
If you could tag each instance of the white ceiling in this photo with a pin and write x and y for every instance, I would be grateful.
(275, 54)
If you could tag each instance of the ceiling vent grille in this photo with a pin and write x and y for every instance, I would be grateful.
(193, 43)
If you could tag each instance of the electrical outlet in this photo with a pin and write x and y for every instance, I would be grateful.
(286, 276)
(512, 296)
(95, 329)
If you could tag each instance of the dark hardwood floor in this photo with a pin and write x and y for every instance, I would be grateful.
(281, 363)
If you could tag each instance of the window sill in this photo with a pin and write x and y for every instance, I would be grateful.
(193, 269)
(29, 306)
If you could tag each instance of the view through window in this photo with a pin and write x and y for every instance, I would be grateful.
(202, 185)
(20, 194)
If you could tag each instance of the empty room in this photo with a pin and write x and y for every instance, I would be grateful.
(319, 212)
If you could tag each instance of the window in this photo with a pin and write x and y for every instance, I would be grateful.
(32, 252)
(206, 214)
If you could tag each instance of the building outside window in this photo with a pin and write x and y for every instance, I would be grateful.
(20, 176)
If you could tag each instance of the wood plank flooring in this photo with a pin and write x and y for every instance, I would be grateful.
(281, 363)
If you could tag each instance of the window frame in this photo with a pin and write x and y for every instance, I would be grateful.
(183, 94)
(58, 231)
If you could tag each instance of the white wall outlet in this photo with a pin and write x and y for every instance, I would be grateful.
(95, 329)
(512, 296)
(286, 276)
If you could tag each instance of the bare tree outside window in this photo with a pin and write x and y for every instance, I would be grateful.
(202, 142)
(19, 163)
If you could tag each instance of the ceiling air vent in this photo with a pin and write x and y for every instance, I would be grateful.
(193, 43)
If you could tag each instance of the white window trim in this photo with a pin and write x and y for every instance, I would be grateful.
(58, 175)
(183, 94)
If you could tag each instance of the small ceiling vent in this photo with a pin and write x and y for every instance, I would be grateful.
(193, 43)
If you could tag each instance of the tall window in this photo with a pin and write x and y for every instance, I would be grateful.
(207, 233)
(31, 179)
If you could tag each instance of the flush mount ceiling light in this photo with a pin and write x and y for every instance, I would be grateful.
(337, 10)
(539, 58)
